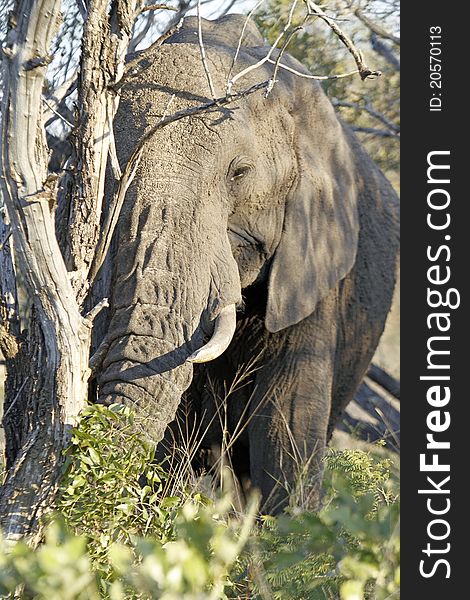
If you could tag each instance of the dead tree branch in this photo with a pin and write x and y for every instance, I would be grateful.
(55, 99)
(314, 77)
(312, 10)
(364, 70)
(375, 27)
(240, 39)
(277, 62)
(374, 131)
(266, 58)
(385, 51)
(105, 42)
(369, 110)
(203, 51)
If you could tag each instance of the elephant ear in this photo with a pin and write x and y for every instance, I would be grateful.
(320, 232)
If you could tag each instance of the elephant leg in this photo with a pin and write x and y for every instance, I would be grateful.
(290, 411)
(364, 301)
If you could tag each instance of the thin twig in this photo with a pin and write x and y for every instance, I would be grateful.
(140, 36)
(203, 51)
(314, 77)
(240, 40)
(268, 55)
(277, 62)
(364, 70)
(57, 113)
(370, 110)
(373, 131)
(5, 240)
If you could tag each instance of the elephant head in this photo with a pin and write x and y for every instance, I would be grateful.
(263, 190)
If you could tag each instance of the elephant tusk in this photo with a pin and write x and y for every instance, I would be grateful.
(224, 329)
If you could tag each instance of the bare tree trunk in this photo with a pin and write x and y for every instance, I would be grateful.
(57, 344)
(48, 371)
(9, 327)
(105, 42)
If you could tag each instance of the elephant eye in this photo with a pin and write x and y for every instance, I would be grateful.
(238, 173)
(238, 170)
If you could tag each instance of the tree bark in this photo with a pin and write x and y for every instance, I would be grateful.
(9, 326)
(48, 368)
(105, 42)
(57, 343)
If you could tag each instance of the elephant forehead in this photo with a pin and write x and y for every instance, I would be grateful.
(176, 70)
(172, 77)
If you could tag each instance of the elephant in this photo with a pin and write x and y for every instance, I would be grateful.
(257, 233)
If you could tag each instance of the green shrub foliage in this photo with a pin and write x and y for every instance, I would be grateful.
(118, 534)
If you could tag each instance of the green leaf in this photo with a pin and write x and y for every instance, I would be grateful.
(170, 502)
(95, 457)
(352, 590)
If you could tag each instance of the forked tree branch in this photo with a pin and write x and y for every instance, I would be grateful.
(364, 70)
(312, 10)
(105, 42)
(268, 55)
(61, 373)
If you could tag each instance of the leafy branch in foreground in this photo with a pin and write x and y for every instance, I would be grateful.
(350, 547)
(118, 537)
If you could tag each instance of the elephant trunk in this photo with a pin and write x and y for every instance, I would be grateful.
(175, 278)
(146, 370)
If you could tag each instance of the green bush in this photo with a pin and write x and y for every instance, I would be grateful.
(350, 547)
(102, 496)
(114, 538)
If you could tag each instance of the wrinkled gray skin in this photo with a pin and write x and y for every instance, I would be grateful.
(268, 203)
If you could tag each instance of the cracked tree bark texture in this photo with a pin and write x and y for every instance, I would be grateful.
(105, 42)
(48, 373)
